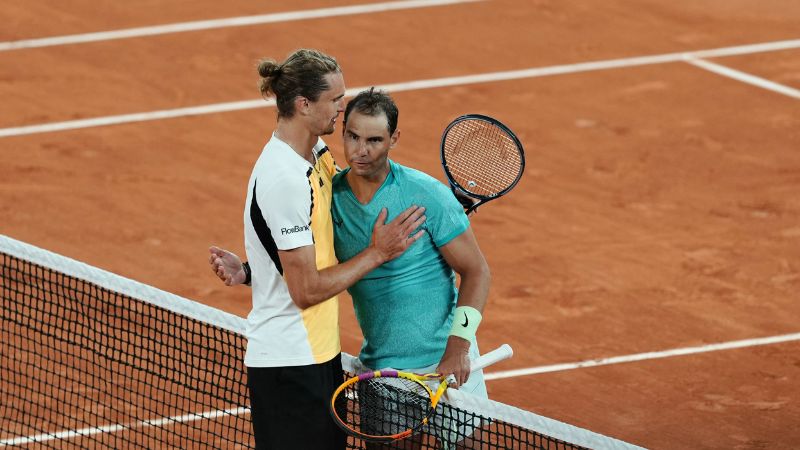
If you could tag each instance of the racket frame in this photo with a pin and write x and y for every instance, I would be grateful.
(454, 185)
(420, 379)
(503, 352)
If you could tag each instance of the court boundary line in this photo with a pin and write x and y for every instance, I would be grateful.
(730, 345)
(114, 428)
(260, 19)
(744, 77)
(409, 86)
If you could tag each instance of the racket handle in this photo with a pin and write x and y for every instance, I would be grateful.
(494, 356)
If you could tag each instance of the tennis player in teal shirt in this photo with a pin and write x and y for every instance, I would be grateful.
(410, 312)
(412, 297)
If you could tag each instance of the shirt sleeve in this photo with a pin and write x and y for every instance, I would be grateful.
(446, 219)
(286, 207)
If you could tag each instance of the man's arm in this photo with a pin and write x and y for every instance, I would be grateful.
(309, 286)
(465, 257)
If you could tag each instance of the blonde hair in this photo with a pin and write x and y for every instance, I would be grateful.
(302, 74)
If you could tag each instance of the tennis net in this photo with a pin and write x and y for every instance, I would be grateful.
(89, 359)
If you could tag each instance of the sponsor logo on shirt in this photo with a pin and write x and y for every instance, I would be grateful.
(294, 229)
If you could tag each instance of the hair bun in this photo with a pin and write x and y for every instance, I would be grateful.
(269, 68)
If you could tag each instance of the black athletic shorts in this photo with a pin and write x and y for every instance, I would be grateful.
(289, 406)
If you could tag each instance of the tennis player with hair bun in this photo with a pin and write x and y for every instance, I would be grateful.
(293, 351)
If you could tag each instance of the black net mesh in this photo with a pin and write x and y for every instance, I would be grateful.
(83, 366)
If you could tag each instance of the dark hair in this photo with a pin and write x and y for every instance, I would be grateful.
(301, 75)
(373, 102)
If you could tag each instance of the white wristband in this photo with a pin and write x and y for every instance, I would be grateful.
(465, 322)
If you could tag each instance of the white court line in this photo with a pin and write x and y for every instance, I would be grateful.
(744, 77)
(224, 23)
(644, 356)
(167, 421)
(136, 117)
(407, 86)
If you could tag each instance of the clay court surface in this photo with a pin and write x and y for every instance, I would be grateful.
(660, 207)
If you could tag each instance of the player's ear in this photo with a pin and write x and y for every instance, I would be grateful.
(301, 105)
(394, 138)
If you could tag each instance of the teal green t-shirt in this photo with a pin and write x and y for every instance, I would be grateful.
(405, 306)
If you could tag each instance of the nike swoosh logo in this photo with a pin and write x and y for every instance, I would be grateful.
(466, 320)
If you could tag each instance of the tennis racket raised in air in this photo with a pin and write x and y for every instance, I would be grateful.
(389, 405)
(482, 158)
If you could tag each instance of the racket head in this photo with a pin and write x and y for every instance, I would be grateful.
(481, 156)
(384, 405)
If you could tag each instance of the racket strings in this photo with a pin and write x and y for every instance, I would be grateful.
(482, 158)
(486, 161)
(383, 407)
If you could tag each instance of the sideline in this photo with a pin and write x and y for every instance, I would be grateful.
(743, 77)
(644, 356)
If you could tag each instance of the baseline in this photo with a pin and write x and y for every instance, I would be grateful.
(224, 23)
(411, 85)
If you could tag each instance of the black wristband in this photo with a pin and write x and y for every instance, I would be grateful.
(248, 276)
